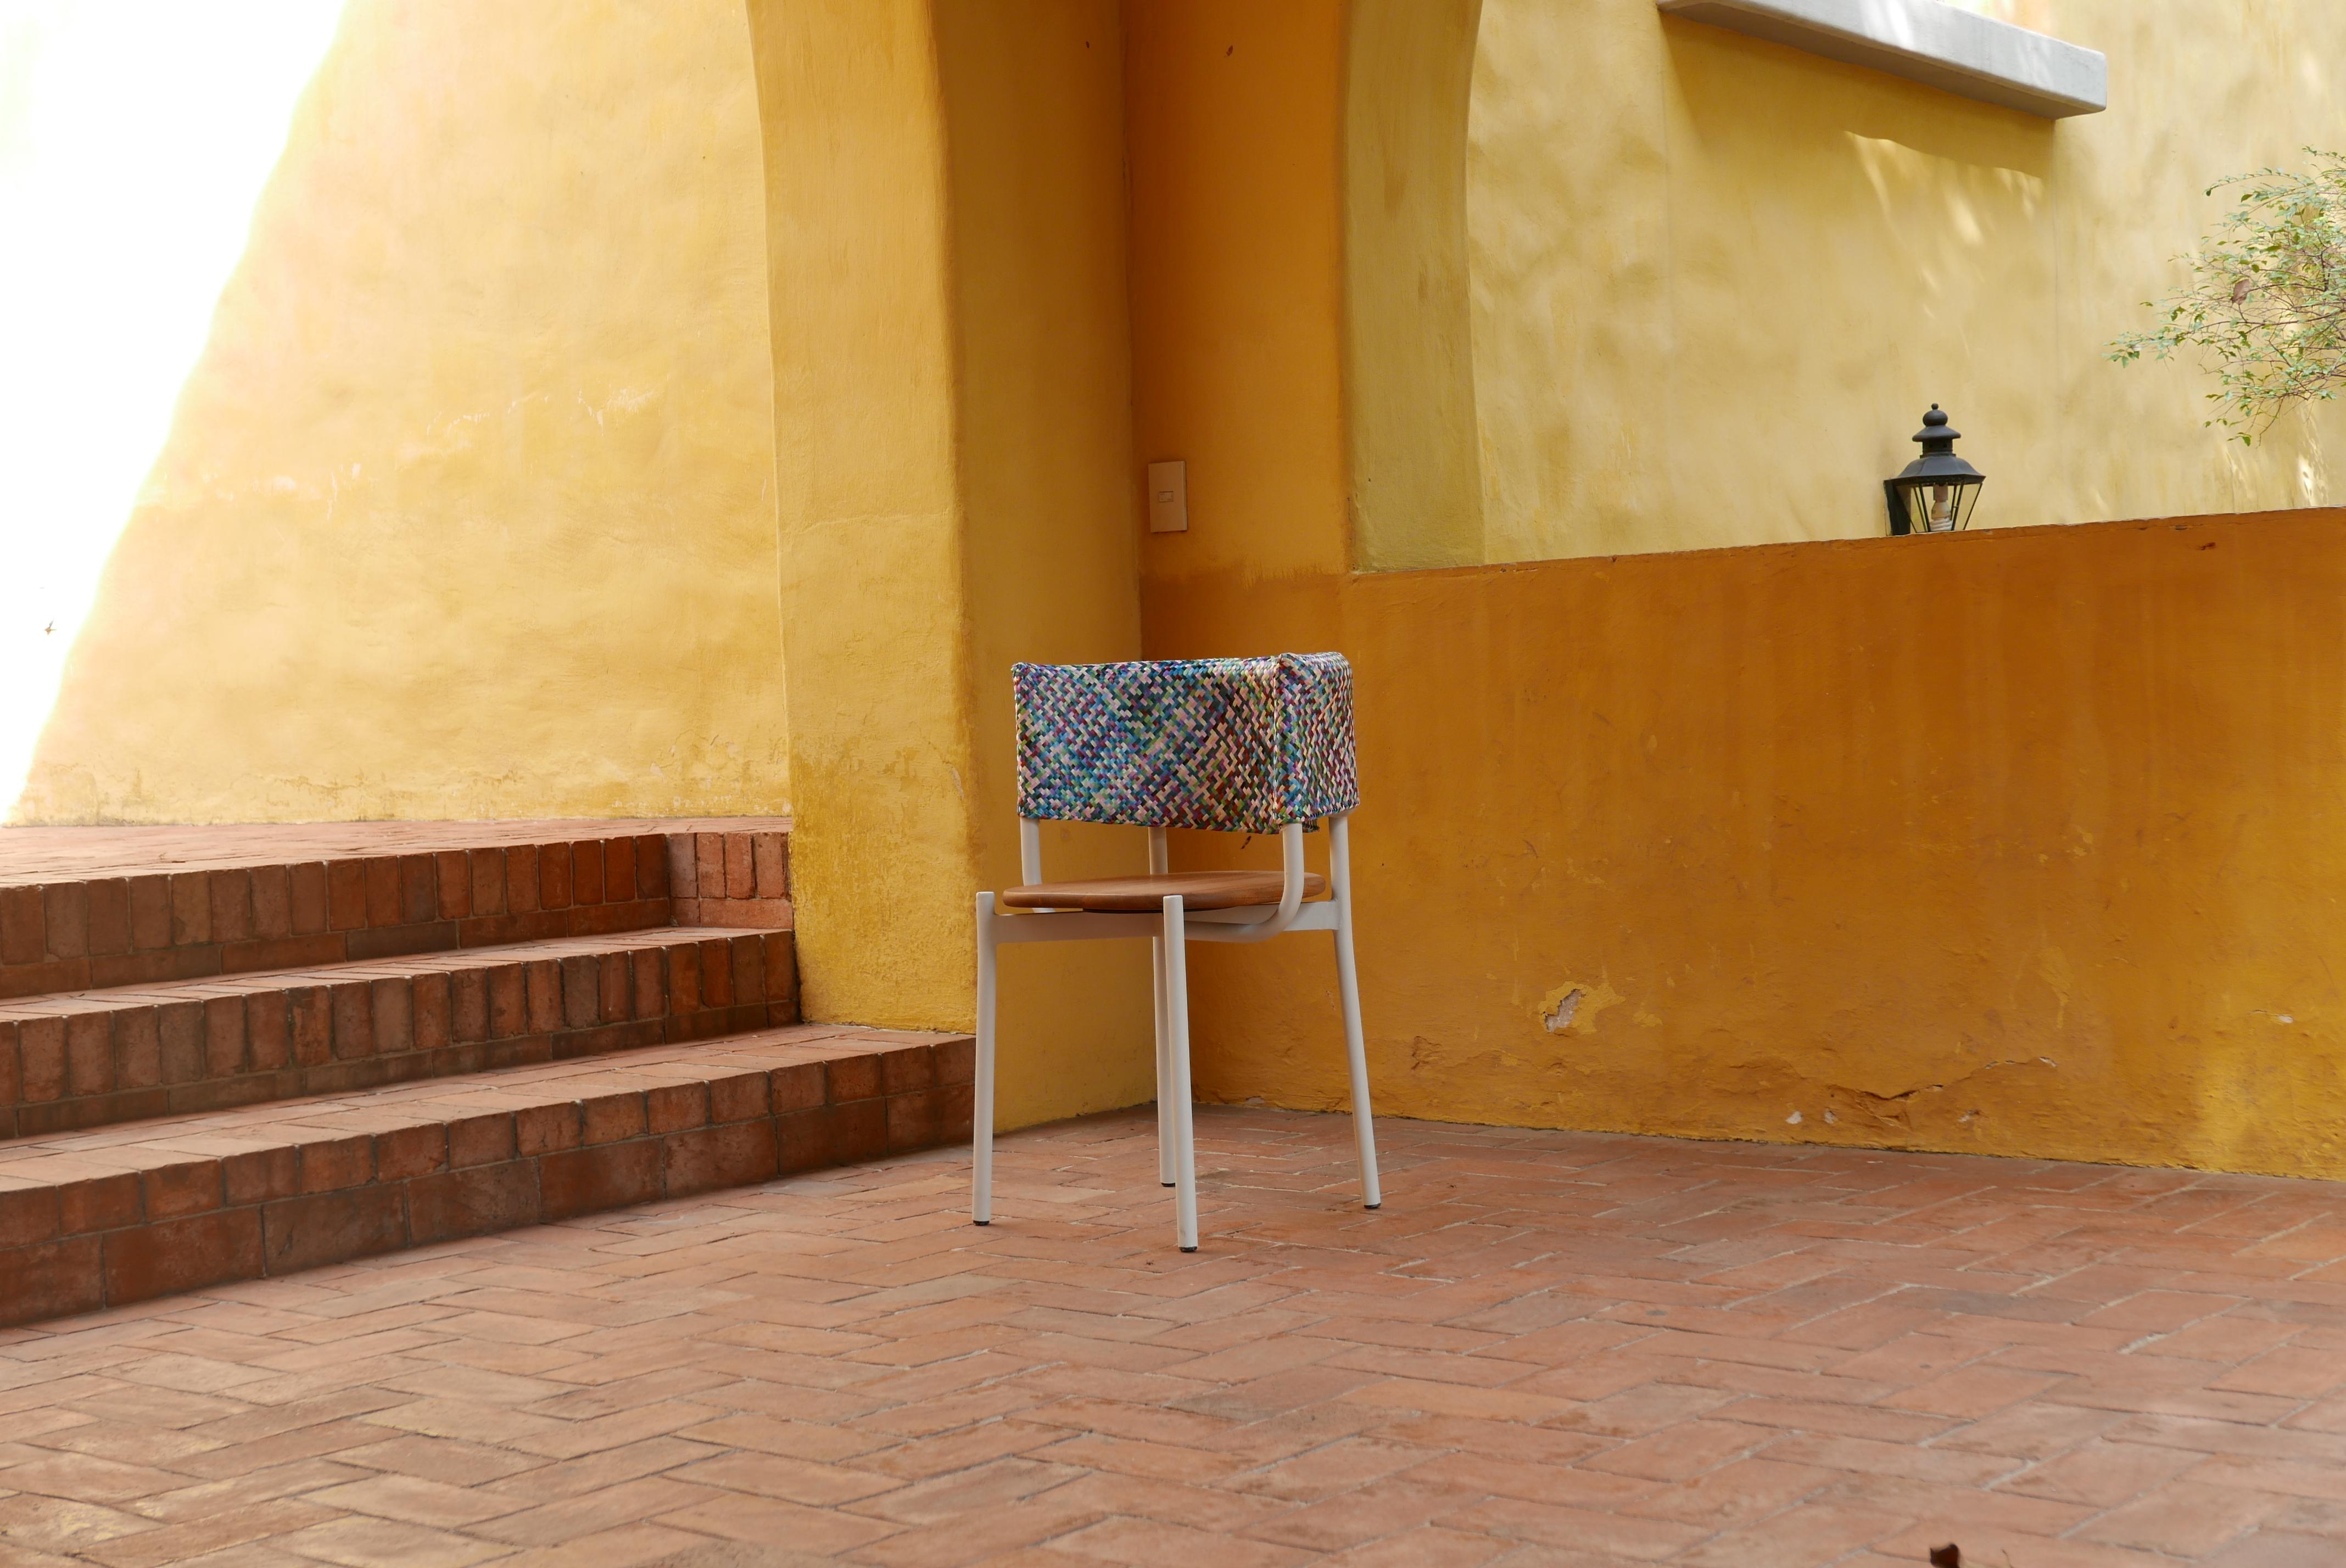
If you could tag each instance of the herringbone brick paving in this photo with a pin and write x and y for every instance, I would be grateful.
(1548, 1350)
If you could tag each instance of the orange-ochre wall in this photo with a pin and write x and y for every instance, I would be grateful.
(2023, 842)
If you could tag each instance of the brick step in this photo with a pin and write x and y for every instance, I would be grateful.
(83, 907)
(102, 1217)
(87, 1059)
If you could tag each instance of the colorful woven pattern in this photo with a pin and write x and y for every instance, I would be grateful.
(1240, 745)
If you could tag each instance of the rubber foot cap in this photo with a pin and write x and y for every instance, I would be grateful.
(1364, 1205)
(1189, 1249)
(980, 1222)
(1169, 1184)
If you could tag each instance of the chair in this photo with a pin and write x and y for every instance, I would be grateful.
(1235, 744)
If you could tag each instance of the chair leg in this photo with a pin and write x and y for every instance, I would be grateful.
(1348, 989)
(1164, 1076)
(1185, 1131)
(981, 1125)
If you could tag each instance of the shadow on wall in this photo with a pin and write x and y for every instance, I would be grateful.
(465, 509)
(134, 142)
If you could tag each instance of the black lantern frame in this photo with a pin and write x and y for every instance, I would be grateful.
(1936, 492)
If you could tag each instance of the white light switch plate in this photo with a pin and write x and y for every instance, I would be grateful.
(1168, 497)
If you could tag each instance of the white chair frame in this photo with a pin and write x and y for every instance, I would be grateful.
(1169, 931)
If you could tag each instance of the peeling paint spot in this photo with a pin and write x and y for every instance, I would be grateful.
(1574, 1006)
(1831, 1119)
(1793, 1120)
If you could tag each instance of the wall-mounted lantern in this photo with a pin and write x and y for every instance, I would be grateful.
(1935, 493)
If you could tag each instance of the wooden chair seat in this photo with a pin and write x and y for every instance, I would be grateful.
(1147, 895)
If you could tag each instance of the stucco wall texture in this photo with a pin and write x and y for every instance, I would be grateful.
(468, 509)
(1716, 281)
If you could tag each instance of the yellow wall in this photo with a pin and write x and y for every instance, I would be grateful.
(1716, 281)
(953, 408)
(468, 509)
(2027, 845)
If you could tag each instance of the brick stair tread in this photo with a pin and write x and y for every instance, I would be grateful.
(83, 1059)
(83, 854)
(441, 961)
(105, 908)
(104, 1217)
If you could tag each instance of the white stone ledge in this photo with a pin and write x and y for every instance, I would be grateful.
(1925, 41)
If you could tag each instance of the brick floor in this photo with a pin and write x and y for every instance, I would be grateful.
(1548, 1350)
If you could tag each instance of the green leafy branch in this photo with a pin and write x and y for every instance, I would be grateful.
(2266, 305)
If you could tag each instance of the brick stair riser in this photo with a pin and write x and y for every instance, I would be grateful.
(128, 931)
(138, 1059)
(183, 1223)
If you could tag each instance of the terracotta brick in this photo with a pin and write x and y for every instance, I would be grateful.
(619, 870)
(89, 1054)
(649, 982)
(553, 876)
(51, 1279)
(604, 1176)
(191, 908)
(257, 1175)
(676, 1107)
(541, 986)
(581, 992)
(150, 912)
(648, 854)
(331, 1228)
(477, 1200)
(771, 856)
(109, 916)
(954, 1102)
(848, 1078)
(23, 926)
(392, 1013)
(451, 880)
(741, 867)
(28, 1214)
(12, 1081)
(801, 1140)
(306, 898)
(907, 1068)
(682, 860)
(481, 1140)
(485, 881)
(191, 1187)
(857, 1131)
(782, 966)
(386, 903)
(544, 1129)
(334, 1164)
(615, 1003)
(587, 872)
(956, 1061)
(181, 1254)
(346, 894)
(508, 1001)
(353, 1009)
(65, 909)
(716, 973)
(312, 1015)
(709, 865)
(268, 1031)
(749, 967)
(223, 1036)
(797, 1087)
(180, 1039)
(41, 1059)
(608, 1118)
(419, 890)
(683, 978)
(705, 1158)
(434, 1023)
(911, 1121)
(406, 1152)
(737, 1096)
(521, 879)
(99, 1203)
(230, 894)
